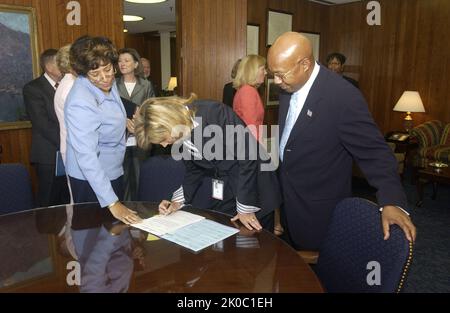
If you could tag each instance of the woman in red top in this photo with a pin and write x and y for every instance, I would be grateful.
(247, 103)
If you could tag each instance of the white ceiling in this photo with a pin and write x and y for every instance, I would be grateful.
(161, 16)
(157, 16)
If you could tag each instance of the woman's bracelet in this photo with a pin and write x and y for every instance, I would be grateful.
(112, 204)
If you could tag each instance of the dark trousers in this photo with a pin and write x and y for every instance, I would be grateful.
(52, 190)
(83, 192)
(133, 159)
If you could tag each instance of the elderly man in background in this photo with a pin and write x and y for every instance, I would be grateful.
(39, 101)
(147, 72)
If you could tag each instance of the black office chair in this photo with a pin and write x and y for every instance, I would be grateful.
(161, 175)
(15, 189)
(354, 251)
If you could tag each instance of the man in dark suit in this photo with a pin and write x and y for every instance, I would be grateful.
(335, 63)
(38, 97)
(325, 125)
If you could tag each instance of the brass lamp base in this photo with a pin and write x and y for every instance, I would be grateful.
(408, 122)
(408, 116)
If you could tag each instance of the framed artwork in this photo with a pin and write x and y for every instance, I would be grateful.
(272, 93)
(18, 59)
(252, 39)
(278, 22)
(315, 41)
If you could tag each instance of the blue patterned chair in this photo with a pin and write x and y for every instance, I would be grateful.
(354, 239)
(15, 189)
(161, 175)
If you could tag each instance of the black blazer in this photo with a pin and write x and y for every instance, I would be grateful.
(228, 94)
(351, 81)
(334, 128)
(243, 179)
(38, 98)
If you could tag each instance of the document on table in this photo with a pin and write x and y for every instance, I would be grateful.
(200, 235)
(163, 224)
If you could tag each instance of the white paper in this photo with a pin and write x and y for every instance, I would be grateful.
(200, 235)
(163, 224)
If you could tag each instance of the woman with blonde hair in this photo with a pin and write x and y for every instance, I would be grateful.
(247, 103)
(241, 189)
(64, 87)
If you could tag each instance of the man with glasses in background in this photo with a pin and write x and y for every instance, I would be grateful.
(325, 125)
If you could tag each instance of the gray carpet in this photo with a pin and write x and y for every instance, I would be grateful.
(430, 270)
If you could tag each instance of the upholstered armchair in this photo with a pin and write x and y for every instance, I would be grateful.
(433, 138)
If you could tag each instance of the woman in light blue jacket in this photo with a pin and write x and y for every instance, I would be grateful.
(96, 121)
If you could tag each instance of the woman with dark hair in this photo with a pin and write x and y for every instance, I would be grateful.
(96, 121)
(131, 83)
(132, 86)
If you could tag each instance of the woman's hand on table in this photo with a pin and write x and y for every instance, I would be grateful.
(124, 214)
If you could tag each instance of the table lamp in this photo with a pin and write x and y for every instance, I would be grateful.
(172, 84)
(410, 101)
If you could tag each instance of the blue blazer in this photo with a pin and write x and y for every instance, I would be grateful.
(95, 137)
(334, 128)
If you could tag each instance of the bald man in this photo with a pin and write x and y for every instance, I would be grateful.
(325, 125)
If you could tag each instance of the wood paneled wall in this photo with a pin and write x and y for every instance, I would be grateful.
(408, 51)
(98, 17)
(307, 16)
(211, 36)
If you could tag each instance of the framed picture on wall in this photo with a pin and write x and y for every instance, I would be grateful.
(252, 39)
(278, 22)
(315, 41)
(272, 93)
(18, 59)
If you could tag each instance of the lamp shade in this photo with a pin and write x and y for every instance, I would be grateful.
(172, 83)
(410, 101)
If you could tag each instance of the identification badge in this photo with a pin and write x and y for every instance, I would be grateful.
(131, 141)
(217, 189)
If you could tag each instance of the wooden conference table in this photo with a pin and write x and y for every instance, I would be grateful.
(113, 257)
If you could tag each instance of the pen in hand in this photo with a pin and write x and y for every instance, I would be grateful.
(167, 207)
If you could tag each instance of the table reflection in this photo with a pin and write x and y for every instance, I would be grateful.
(112, 257)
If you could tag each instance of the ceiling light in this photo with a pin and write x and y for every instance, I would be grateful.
(132, 18)
(145, 1)
(125, 30)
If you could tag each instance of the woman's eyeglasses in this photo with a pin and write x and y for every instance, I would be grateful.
(105, 73)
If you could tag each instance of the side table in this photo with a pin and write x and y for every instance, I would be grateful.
(403, 146)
